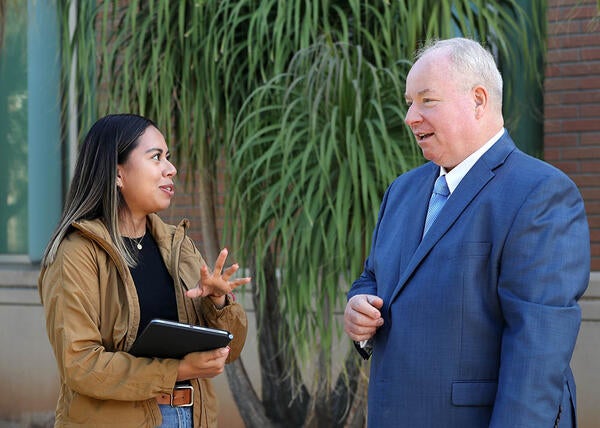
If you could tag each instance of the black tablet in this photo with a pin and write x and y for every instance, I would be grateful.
(169, 339)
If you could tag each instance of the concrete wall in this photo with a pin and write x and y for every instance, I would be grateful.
(586, 358)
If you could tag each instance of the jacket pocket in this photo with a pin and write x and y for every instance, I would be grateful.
(475, 393)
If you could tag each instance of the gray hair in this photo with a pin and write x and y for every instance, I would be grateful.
(472, 62)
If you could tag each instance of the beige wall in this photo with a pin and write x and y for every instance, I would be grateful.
(586, 359)
(29, 380)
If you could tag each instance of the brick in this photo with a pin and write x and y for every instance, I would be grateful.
(552, 154)
(561, 11)
(590, 110)
(590, 166)
(566, 12)
(551, 98)
(560, 82)
(590, 193)
(564, 55)
(587, 153)
(587, 180)
(559, 140)
(568, 167)
(593, 203)
(553, 126)
(560, 112)
(590, 53)
(561, 4)
(585, 10)
(590, 138)
(581, 125)
(575, 69)
(592, 25)
(594, 221)
(573, 41)
(560, 27)
(592, 96)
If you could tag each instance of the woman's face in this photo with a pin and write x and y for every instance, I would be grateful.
(146, 177)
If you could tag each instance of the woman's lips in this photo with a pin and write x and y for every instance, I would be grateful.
(169, 189)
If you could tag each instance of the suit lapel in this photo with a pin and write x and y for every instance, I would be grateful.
(418, 199)
(475, 180)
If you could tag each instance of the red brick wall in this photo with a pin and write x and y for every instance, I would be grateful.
(572, 102)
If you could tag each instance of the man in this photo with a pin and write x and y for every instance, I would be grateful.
(474, 320)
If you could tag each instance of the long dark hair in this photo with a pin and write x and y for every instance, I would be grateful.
(93, 192)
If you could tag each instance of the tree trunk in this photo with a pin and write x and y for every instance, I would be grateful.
(248, 403)
(285, 401)
(284, 396)
(244, 394)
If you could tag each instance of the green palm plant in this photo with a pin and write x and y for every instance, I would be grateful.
(317, 145)
(301, 103)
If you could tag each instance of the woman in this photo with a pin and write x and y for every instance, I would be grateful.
(111, 266)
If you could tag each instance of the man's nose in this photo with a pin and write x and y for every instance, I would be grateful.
(412, 116)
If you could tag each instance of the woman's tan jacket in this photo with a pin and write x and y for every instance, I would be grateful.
(92, 318)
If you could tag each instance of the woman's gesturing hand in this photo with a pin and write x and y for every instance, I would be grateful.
(217, 284)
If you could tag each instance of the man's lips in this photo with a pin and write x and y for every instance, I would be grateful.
(421, 136)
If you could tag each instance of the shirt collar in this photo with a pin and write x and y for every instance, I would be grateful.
(457, 173)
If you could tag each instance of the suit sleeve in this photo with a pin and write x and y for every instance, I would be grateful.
(367, 282)
(543, 272)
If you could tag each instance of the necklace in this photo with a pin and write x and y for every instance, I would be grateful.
(138, 242)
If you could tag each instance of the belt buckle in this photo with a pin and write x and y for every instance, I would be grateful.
(179, 387)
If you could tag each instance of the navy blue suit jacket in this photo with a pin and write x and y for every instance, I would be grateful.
(481, 315)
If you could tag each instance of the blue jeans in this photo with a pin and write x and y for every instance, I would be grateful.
(176, 417)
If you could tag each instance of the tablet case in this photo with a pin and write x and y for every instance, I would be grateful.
(169, 339)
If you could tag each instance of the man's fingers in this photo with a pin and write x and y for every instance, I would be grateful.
(367, 304)
(375, 301)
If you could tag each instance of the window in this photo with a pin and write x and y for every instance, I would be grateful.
(30, 147)
(13, 128)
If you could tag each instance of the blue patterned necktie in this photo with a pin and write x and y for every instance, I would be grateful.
(438, 199)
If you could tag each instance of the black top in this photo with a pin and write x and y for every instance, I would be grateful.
(154, 285)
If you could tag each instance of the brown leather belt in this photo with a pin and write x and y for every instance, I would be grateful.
(182, 396)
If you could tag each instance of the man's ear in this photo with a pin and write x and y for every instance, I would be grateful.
(480, 96)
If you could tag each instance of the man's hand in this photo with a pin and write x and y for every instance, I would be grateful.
(362, 317)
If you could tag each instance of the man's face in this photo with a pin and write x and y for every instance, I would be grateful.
(442, 112)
